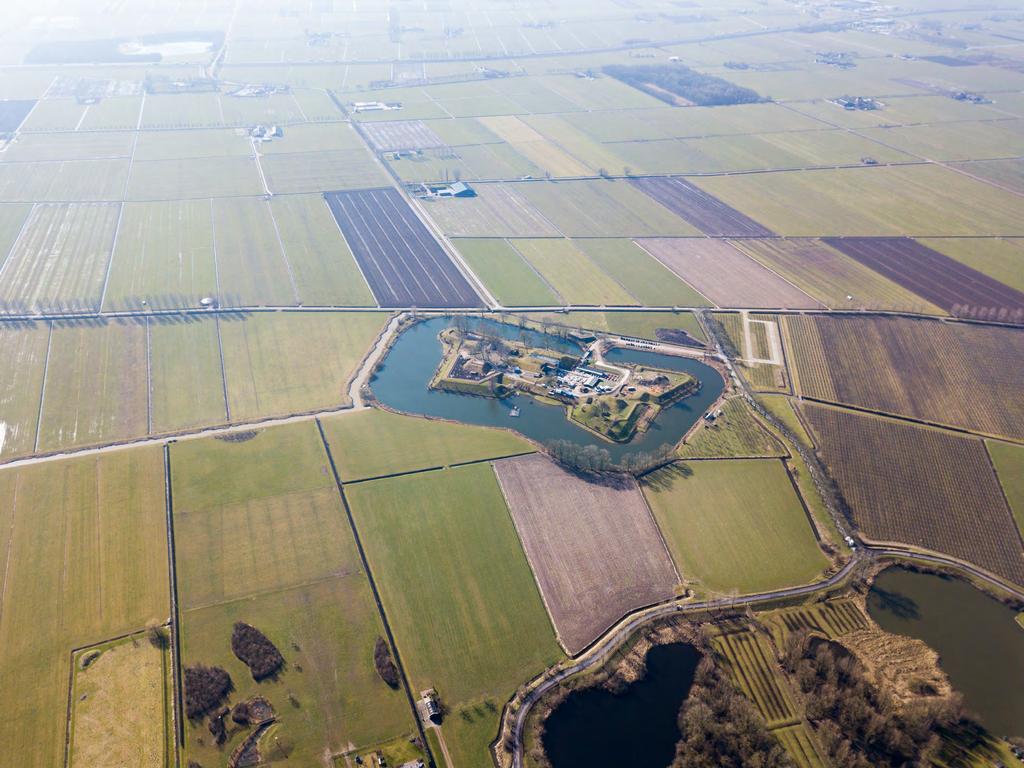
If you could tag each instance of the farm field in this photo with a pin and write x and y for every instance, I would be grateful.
(186, 385)
(997, 257)
(946, 373)
(724, 274)
(796, 740)
(735, 433)
(85, 558)
(152, 146)
(407, 134)
(477, 626)
(1008, 460)
(644, 325)
(96, 386)
(31, 147)
(507, 275)
(188, 178)
(831, 618)
(120, 704)
(942, 281)
(373, 443)
(163, 255)
(498, 210)
(251, 266)
(734, 524)
(708, 214)
(299, 581)
(615, 562)
(402, 262)
(650, 282)
(859, 202)
(321, 262)
(61, 258)
(474, 162)
(545, 154)
(283, 363)
(601, 208)
(752, 666)
(832, 278)
(21, 383)
(919, 486)
(1008, 173)
(292, 172)
(575, 278)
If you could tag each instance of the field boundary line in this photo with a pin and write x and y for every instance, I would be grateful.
(223, 370)
(554, 291)
(638, 244)
(1002, 492)
(10, 546)
(334, 576)
(284, 254)
(175, 620)
(439, 467)
(533, 569)
(819, 538)
(42, 387)
(149, 380)
(17, 240)
(376, 593)
(661, 534)
(911, 420)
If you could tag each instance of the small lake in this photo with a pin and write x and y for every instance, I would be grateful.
(402, 380)
(980, 645)
(639, 727)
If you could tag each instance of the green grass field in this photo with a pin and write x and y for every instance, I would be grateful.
(735, 524)
(83, 546)
(261, 536)
(642, 276)
(899, 200)
(781, 407)
(163, 255)
(200, 177)
(325, 270)
(280, 363)
(186, 383)
(21, 381)
(568, 270)
(1008, 460)
(639, 324)
(372, 443)
(998, 258)
(505, 273)
(601, 208)
(61, 258)
(321, 171)
(96, 386)
(251, 263)
(456, 586)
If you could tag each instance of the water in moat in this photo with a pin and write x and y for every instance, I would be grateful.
(639, 727)
(980, 646)
(401, 383)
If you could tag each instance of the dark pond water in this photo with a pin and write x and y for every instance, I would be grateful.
(980, 645)
(638, 728)
(401, 383)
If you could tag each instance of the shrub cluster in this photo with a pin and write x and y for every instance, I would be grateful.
(257, 652)
(696, 87)
(385, 666)
(205, 688)
(721, 728)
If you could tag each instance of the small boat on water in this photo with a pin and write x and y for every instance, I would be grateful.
(514, 412)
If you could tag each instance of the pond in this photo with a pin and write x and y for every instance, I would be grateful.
(401, 383)
(639, 727)
(980, 645)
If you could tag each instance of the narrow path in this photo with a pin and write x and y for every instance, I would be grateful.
(362, 376)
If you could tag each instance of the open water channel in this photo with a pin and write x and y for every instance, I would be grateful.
(401, 383)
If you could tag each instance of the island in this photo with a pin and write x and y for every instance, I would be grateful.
(614, 402)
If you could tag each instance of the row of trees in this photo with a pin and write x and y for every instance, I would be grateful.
(590, 459)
